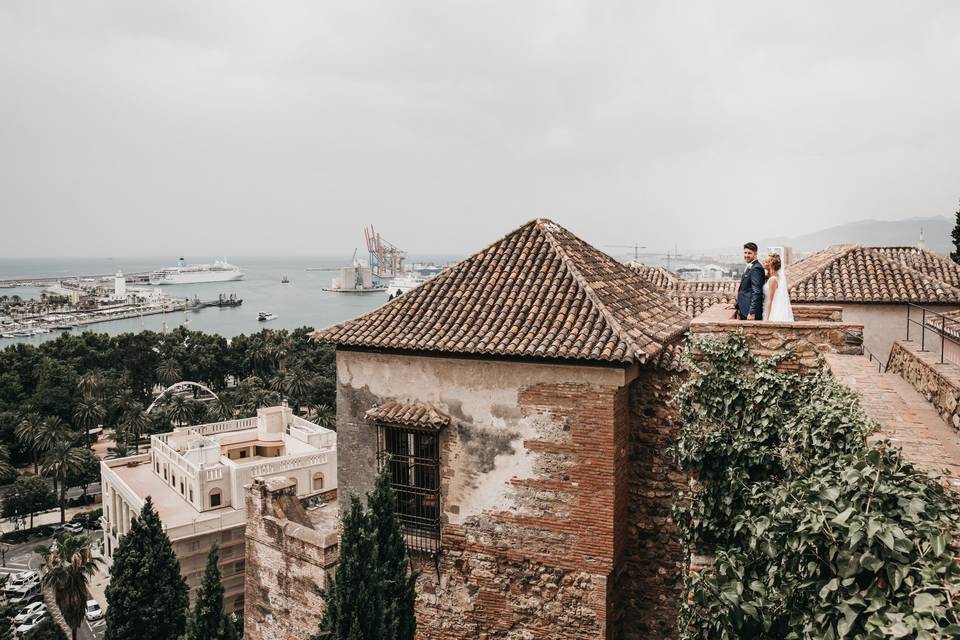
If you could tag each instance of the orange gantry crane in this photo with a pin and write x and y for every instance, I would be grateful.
(386, 260)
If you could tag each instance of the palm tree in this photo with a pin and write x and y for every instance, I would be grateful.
(180, 410)
(262, 358)
(220, 409)
(27, 432)
(87, 414)
(169, 372)
(298, 384)
(7, 470)
(135, 422)
(324, 416)
(52, 431)
(61, 461)
(69, 564)
(278, 385)
(90, 385)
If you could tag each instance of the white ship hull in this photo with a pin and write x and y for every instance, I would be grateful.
(219, 271)
(195, 277)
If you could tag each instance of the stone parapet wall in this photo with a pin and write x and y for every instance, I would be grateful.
(806, 339)
(288, 556)
(938, 383)
(818, 312)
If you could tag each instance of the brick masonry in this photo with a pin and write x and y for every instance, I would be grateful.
(555, 494)
(288, 556)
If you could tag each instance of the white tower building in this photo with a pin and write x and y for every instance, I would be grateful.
(119, 286)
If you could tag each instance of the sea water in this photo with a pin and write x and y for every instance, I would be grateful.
(300, 303)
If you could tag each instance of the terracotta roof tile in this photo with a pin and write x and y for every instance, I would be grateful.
(852, 273)
(415, 414)
(539, 291)
(693, 296)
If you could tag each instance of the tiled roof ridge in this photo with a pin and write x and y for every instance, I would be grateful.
(847, 250)
(916, 272)
(615, 326)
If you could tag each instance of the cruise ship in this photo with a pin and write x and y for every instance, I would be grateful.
(219, 271)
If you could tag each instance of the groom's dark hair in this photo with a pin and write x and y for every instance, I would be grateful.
(751, 245)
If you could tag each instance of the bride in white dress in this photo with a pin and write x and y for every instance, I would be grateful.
(776, 294)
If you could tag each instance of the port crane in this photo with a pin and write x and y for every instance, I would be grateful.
(386, 260)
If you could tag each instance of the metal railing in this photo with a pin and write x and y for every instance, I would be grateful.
(946, 329)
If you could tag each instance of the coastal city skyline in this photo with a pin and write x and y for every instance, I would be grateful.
(418, 320)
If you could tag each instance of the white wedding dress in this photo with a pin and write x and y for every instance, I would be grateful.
(780, 309)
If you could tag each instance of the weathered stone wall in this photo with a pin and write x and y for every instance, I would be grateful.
(826, 313)
(538, 509)
(806, 339)
(288, 555)
(650, 582)
(938, 383)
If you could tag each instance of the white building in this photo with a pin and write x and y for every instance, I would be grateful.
(119, 287)
(196, 477)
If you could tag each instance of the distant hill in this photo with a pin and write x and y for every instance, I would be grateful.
(936, 231)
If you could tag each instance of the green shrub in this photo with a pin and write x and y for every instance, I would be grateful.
(815, 534)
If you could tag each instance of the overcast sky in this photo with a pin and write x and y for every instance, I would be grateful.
(240, 128)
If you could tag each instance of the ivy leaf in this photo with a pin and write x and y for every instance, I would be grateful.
(871, 562)
(843, 516)
(925, 603)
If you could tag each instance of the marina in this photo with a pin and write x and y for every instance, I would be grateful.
(302, 302)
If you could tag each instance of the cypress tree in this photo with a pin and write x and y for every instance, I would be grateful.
(354, 600)
(147, 596)
(207, 620)
(397, 581)
(955, 255)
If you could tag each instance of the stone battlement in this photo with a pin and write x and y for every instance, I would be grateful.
(818, 330)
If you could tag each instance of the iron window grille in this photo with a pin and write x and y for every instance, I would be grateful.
(413, 459)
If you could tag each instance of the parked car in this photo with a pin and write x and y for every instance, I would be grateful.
(22, 578)
(36, 597)
(31, 623)
(28, 612)
(73, 527)
(22, 594)
(93, 612)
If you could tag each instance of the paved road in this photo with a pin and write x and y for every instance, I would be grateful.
(21, 557)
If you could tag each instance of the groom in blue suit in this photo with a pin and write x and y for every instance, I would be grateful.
(749, 304)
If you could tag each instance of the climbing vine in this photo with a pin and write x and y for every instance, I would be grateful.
(815, 534)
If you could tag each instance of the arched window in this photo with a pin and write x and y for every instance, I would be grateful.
(215, 499)
(318, 481)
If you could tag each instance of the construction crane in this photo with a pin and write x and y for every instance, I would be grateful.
(386, 260)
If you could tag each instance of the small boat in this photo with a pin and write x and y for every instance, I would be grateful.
(284, 280)
(6, 335)
(63, 327)
(265, 316)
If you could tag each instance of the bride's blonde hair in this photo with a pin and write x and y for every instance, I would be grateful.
(775, 262)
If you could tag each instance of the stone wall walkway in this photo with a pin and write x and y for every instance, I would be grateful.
(906, 418)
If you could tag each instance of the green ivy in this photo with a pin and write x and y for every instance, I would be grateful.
(815, 534)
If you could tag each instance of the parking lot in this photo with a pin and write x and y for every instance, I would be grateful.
(21, 557)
